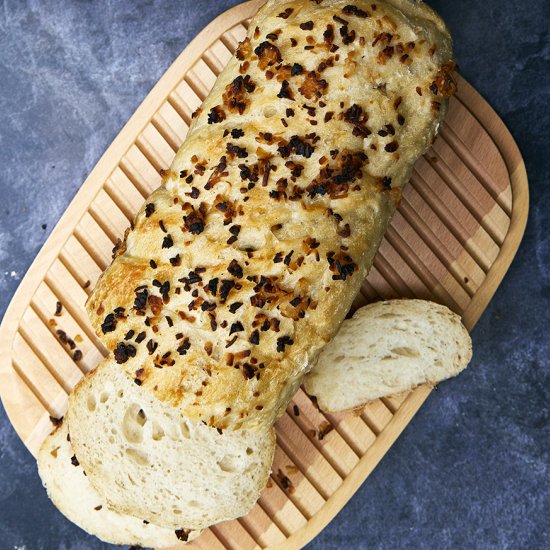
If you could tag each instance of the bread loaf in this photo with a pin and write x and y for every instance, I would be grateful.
(71, 491)
(388, 347)
(149, 461)
(243, 264)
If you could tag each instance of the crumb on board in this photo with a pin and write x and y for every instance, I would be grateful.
(324, 429)
(285, 482)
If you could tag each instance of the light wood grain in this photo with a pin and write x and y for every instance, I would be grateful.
(455, 234)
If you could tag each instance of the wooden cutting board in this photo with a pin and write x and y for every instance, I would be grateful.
(452, 240)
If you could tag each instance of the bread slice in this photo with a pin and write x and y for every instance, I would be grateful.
(151, 462)
(72, 493)
(388, 347)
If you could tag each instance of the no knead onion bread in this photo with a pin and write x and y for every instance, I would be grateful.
(71, 491)
(388, 347)
(243, 264)
(241, 267)
(149, 461)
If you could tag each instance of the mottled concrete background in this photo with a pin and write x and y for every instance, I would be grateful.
(473, 468)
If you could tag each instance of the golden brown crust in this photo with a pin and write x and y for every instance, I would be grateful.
(243, 265)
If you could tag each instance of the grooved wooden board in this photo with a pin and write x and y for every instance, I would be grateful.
(452, 240)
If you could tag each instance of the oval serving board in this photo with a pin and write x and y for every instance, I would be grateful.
(452, 240)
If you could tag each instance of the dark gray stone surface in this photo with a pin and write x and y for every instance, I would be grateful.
(473, 468)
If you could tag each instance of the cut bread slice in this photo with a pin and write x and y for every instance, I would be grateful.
(386, 348)
(151, 462)
(71, 491)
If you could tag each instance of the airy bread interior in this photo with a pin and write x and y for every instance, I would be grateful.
(71, 491)
(388, 347)
(148, 460)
